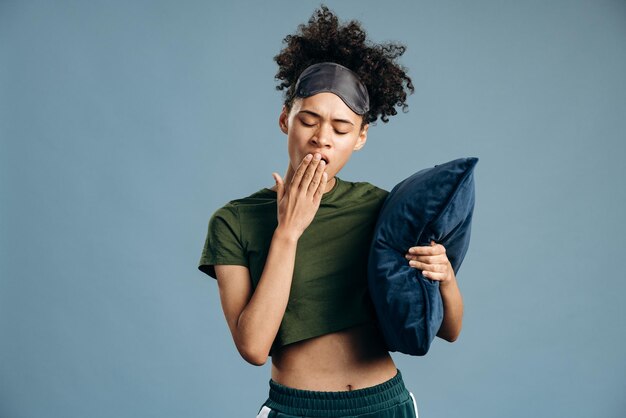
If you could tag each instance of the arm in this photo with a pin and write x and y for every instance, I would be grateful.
(435, 265)
(452, 309)
(254, 317)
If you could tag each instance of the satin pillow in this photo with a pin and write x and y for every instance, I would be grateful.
(435, 203)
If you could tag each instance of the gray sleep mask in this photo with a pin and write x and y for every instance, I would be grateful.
(337, 79)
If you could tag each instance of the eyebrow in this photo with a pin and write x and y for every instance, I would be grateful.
(318, 116)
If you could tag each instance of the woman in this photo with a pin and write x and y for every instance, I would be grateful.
(290, 261)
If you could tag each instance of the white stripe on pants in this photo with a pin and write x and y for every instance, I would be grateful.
(414, 404)
(264, 412)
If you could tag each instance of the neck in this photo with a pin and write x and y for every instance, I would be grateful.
(330, 184)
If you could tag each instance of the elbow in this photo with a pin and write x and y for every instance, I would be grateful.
(253, 354)
(251, 346)
(255, 360)
(449, 335)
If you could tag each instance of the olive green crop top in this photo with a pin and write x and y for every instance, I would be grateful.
(329, 289)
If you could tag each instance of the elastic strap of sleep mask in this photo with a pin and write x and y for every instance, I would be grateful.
(337, 79)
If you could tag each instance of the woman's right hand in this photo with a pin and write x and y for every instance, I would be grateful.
(298, 201)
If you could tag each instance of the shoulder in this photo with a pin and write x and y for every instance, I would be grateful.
(244, 216)
(261, 197)
(365, 189)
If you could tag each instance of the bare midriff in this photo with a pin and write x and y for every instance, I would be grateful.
(353, 358)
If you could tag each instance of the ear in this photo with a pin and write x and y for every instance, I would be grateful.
(282, 120)
(360, 142)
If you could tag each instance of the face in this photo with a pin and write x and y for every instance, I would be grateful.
(322, 123)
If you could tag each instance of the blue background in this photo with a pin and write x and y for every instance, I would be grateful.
(124, 125)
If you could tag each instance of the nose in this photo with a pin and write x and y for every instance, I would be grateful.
(323, 136)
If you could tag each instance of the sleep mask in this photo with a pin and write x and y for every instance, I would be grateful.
(337, 79)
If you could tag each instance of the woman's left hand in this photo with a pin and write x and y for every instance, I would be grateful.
(432, 261)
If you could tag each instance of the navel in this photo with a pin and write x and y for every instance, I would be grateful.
(349, 387)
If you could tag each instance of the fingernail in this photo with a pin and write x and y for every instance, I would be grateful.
(308, 157)
(318, 155)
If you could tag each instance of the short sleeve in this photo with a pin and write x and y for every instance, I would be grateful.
(223, 243)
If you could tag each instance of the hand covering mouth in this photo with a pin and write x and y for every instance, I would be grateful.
(323, 157)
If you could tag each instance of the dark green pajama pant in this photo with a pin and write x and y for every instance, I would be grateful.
(389, 399)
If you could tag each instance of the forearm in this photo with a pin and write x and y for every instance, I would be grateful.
(259, 322)
(452, 310)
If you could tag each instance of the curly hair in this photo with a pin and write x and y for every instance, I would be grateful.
(324, 39)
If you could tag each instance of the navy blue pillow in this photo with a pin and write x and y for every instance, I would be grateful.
(435, 203)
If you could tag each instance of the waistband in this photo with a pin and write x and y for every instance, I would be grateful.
(327, 404)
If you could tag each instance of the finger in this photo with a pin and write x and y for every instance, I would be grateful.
(428, 249)
(434, 275)
(297, 178)
(317, 178)
(437, 268)
(320, 190)
(429, 259)
(310, 172)
(280, 186)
